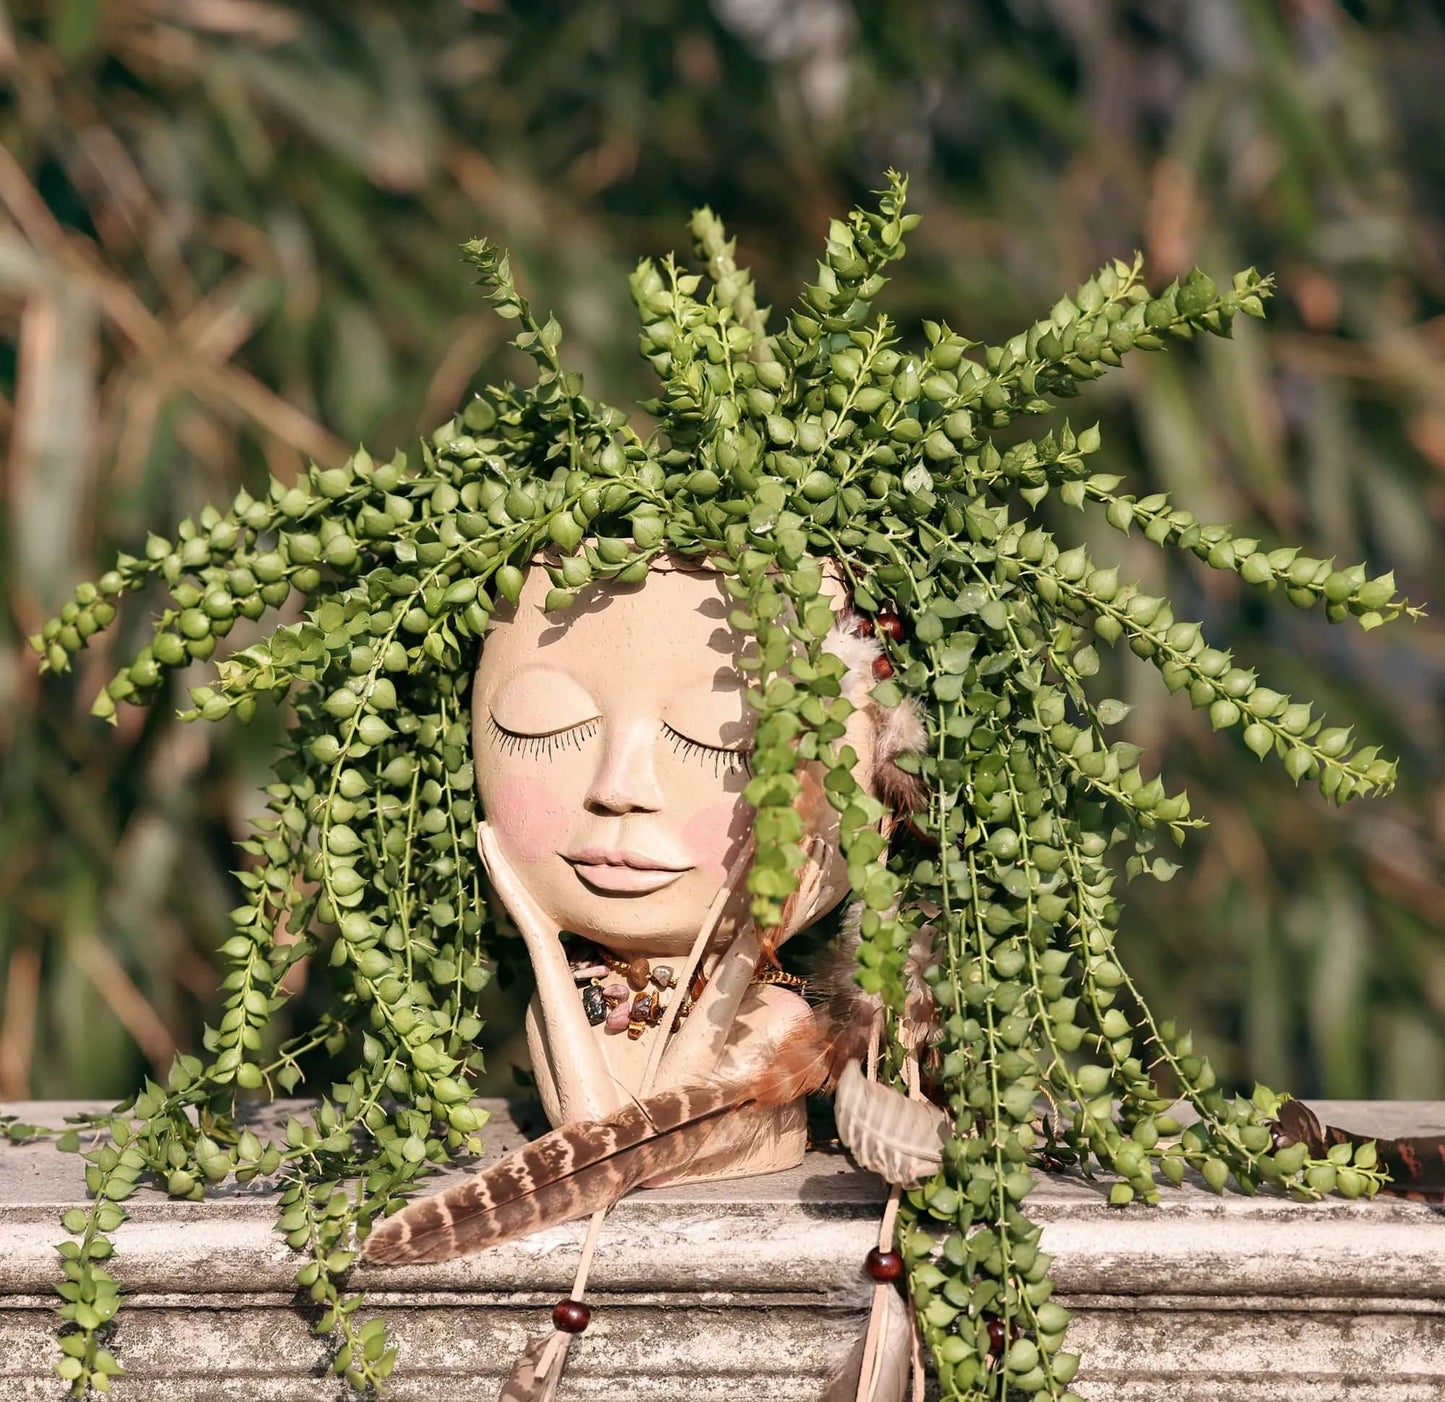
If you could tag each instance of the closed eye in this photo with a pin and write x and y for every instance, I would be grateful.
(722, 760)
(515, 742)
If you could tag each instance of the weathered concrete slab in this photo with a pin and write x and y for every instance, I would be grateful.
(745, 1289)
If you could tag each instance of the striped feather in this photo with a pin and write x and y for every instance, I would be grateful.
(578, 1168)
(899, 1139)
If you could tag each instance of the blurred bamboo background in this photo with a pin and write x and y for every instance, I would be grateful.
(229, 239)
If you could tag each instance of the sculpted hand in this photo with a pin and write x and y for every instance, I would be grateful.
(585, 1089)
(539, 932)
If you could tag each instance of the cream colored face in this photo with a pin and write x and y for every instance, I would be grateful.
(612, 747)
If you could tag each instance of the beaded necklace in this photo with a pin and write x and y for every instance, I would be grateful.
(631, 995)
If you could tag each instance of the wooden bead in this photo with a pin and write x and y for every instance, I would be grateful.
(883, 1266)
(638, 973)
(882, 668)
(571, 1316)
(890, 626)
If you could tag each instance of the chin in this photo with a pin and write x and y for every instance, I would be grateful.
(640, 924)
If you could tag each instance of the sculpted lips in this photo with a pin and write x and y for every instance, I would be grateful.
(622, 873)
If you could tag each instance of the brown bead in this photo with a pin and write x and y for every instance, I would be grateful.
(638, 973)
(883, 1266)
(699, 982)
(889, 625)
(997, 1335)
(571, 1316)
(882, 668)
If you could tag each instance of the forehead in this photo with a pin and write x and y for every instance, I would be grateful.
(671, 630)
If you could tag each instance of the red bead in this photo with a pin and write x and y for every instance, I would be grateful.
(889, 625)
(883, 1266)
(995, 1335)
(882, 668)
(571, 1316)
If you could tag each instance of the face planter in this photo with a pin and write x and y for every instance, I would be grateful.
(612, 746)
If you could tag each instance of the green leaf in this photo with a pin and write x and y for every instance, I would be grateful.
(1258, 739)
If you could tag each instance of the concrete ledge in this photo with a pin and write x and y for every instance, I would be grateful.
(747, 1289)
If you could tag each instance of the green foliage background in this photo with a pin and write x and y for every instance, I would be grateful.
(229, 241)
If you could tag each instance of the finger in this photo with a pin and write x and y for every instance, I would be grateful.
(532, 921)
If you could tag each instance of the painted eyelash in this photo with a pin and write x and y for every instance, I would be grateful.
(541, 746)
(723, 761)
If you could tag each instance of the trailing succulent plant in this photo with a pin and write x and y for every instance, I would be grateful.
(827, 440)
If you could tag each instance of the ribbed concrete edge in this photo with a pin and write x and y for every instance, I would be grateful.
(751, 1289)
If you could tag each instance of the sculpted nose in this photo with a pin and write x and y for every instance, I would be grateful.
(625, 780)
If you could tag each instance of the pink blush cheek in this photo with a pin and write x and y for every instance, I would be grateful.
(714, 836)
(529, 820)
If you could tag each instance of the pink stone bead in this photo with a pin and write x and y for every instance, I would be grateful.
(618, 1018)
(615, 993)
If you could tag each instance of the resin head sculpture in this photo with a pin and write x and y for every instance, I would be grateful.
(613, 748)
(670, 733)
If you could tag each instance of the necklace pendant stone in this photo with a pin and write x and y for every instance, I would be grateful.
(594, 1004)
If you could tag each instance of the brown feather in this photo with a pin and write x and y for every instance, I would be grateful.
(1416, 1164)
(898, 730)
(578, 1168)
(834, 978)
